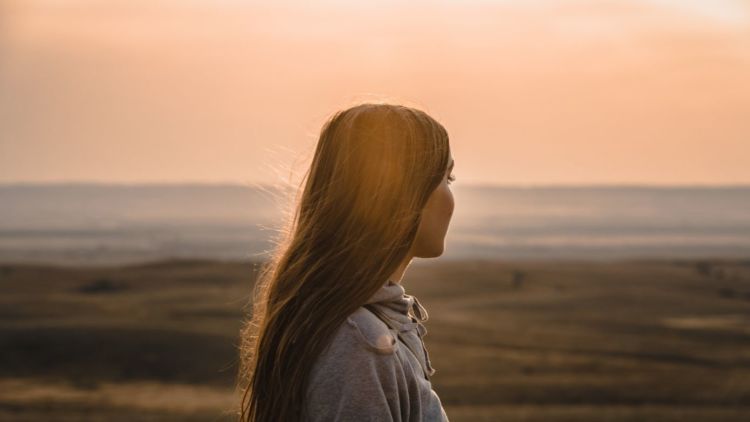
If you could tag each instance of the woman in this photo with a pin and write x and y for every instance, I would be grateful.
(333, 336)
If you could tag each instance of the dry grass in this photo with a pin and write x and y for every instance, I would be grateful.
(511, 341)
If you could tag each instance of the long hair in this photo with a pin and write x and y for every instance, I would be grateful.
(355, 218)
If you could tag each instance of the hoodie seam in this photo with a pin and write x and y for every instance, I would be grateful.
(387, 350)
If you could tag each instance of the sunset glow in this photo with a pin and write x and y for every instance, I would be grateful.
(532, 92)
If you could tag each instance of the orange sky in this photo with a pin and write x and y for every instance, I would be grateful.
(550, 92)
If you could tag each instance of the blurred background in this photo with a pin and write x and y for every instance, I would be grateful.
(597, 266)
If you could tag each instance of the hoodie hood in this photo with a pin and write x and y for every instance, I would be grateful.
(404, 309)
(406, 314)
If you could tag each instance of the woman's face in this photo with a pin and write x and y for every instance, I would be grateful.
(437, 213)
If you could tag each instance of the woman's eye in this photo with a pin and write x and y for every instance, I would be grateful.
(451, 178)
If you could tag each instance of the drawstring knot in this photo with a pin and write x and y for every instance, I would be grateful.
(419, 311)
(419, 314)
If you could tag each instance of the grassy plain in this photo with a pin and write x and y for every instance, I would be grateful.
(511, 341)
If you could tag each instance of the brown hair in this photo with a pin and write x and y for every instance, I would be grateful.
(354, 221)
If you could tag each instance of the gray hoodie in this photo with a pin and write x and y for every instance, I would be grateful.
(376, 371)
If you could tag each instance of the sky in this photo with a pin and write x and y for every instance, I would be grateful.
(531, 92)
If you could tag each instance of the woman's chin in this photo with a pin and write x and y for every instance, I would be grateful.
(432, 253)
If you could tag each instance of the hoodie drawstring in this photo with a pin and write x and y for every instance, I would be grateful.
(418, 310)
(420, 314)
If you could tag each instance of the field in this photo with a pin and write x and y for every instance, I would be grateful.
(511, 341)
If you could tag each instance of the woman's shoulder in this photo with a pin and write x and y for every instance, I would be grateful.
(364, 345)
(359, 374)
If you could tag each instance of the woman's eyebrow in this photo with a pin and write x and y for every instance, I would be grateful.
(450, 167)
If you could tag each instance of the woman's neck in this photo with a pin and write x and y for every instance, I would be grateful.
(398, 275)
